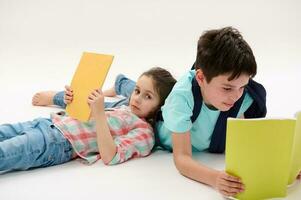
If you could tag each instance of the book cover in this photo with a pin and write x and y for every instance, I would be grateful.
(265, 154)
(89, 75)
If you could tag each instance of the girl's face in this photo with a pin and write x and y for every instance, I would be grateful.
(144, 100)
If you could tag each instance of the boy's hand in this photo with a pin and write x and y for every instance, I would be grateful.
(228, 185)
(68, 96)
(96, 102)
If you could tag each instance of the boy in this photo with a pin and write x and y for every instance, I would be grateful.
(196, 110)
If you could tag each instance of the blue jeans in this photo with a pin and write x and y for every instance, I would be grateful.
(123, 86)
(32, 144)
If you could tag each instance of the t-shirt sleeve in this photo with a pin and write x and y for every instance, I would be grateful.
(177, 111)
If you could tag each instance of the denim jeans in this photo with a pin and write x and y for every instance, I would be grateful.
(123, 86)
(32, 144)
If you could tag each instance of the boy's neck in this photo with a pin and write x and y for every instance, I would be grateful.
(211, 107)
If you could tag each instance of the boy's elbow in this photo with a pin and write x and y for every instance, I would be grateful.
(179, 161)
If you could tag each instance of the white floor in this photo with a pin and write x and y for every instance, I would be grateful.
(40, 46)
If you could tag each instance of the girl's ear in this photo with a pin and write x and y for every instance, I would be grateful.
(200, 77)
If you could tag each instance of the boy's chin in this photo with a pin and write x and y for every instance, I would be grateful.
(225, 108)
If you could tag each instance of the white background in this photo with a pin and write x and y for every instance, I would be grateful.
(41, 43)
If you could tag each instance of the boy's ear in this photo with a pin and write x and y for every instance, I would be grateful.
(200, 77)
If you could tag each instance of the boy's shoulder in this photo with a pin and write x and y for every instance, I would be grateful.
(185, 82)
(181, 94)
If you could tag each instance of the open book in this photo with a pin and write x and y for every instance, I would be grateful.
(89, 75)
(265, 154)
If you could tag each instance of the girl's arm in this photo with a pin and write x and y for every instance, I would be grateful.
(226, 184)
(105, 142)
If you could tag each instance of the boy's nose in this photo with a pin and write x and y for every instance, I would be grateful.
(236, 96)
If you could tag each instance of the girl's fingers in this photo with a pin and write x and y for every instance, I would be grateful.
(68, 88)
(96, 92)
(68, 98)
(68, 93)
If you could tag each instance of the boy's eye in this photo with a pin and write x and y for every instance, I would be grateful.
(136, 91)
(227, 89)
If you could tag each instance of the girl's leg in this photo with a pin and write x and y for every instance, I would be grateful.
(124, 86)
(47, 98)
(58, 99)
(40, 145)
(8, 131)
(114, 104)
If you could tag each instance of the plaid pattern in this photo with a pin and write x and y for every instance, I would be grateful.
(133, 136)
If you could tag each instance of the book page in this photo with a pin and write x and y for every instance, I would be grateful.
(259, 152)
(90, 74)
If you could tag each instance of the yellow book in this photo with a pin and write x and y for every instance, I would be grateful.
(265, 154)
(89, 75)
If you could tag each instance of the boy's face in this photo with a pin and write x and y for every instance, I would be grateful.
(219, 92)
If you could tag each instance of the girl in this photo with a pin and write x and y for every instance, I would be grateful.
(114, 135)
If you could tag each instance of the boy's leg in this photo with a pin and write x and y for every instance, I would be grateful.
(40, 145)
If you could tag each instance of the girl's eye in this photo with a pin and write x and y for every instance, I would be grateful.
(148, 97)
(136, 91)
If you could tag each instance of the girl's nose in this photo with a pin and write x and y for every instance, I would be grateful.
(137, 98)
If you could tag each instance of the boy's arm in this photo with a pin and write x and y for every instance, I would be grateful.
(187, 166)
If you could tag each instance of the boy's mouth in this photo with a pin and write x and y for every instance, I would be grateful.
(229, 105)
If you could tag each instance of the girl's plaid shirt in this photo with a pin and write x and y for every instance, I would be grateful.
(134, 137)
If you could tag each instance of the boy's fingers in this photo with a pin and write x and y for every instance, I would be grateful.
(231, 184)
(228, 177)
(228, 194)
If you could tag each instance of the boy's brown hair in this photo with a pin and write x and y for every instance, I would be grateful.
(224, 51)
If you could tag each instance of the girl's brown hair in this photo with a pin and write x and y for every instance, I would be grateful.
(163, 83)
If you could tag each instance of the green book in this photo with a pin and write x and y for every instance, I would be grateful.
(265, 154)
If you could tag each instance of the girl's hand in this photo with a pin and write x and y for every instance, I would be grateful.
(228, 185)
(96, 102)
(68, 96)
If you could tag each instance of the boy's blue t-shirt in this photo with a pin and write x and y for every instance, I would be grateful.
(178, 109)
